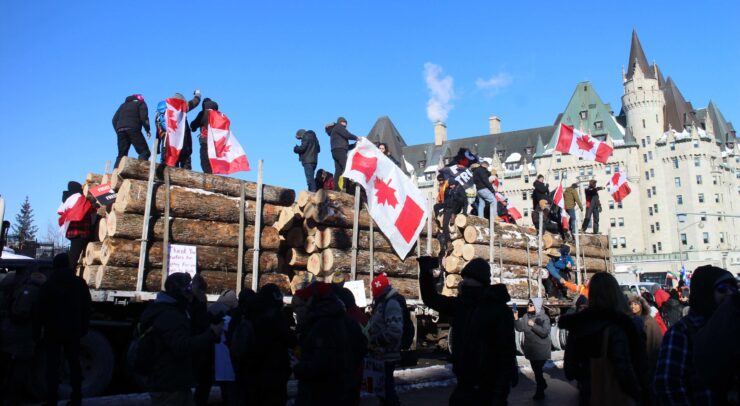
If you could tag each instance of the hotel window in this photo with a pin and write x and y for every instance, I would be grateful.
(722, 238)
(557, 158)
(599, 125)
(619, 205)
(526, 212)
(655, 249)
(422, 164)
(675, 163)
(524, 195)
(649, 193)
(677, 181)
(429, 176)
(650, 155)
(673, 146)
(644, 157)
(643, 123)
(581, 171)
(698, 180)
(654, 192)
(614, 243)
(697, 161)
(528, 150)
(652, 172)
(648, 139)
(584, 115)
(590, 170)
(679, 199)
(714, 179)
(657, 226)
(650, 211)
(643, 142)
(652, 229)
(613, 222)
(565, 175)
(557, 175)
(622, 242)
(703, 216)
(608, 170)
(647, 175)
(655, 208)
(616, 168)
(701, 197)
(611, 204)
(621, 222)
(526, 178)
(684, 241)
(716, 197)
(705, 237)
(660, 246)
(696, 143)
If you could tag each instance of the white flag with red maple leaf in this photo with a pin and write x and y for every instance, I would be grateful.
(618, 186)
(225, 153)
(394, 202)
(510, 208)
(175, 116)
(558, 199)
(578, 143)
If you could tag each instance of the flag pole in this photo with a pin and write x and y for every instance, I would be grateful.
(355, 231)
(147, 216)
(491, 242)
(539, 256)
(240, 254)
(257, 227)
(166, 238)
(372, 246)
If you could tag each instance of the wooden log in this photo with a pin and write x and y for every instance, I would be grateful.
(457, 246)
(334, 215)
(190, 231)
(298, 281)
(280, 280)
(89, 274)
(314, 263)
(452, 280)
(103, 228)
(304, 197)
(408, 287)
(125, 253)
(285, 220)
(310, 246)
(453, 264)
(191, 203)
(296, 258)
(92, 253)
(94, 178)
(136, 169)
(514, 256)
(595, 240)
(589, 251)
(309, 226)
(339, 198)
(334, 260)
(116, 180)
(507, 237)
(295, 238)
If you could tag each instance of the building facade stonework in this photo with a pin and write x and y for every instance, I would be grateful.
(682, 164)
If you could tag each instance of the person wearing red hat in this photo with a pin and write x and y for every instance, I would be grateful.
(386, 332)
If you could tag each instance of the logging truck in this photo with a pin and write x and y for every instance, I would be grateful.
(247, 234)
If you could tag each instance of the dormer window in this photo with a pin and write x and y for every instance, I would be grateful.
(599, 125)
(584, 115)
(422, 164)
(528, 150)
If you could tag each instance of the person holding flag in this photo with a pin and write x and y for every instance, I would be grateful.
(201, 122)
(176, 114)
(75, 221)
(572, 198)
(593, 206)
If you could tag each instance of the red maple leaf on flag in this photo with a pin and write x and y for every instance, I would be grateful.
(584, 142)
(385, 193)
(221, 147)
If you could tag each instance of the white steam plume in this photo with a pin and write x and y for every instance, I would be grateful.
(440, 92)
(495, 83)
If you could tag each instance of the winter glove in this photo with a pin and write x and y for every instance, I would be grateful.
(196, 93)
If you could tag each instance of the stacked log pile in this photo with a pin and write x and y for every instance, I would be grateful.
(204, 212)
(515, 253)
(318, 231)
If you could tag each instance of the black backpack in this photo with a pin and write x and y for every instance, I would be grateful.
(407, 339)
(142, 351)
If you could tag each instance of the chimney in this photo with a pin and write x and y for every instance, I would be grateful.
(440, 133)
(494, 125)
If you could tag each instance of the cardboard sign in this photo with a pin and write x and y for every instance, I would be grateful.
(182, 258)
(103, 194)
(358, 290)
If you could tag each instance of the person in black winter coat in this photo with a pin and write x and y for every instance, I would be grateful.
(308, 154)
(605, 344)
(200, 322)
(541, 191)
(172, 373)
(127, 122)
(340, 138)
(64, 311)
(185, 161)
(502, 210)
(593, 207)
(201, 122)
(332, 347)
(483, 345)
(535, 324)
(486, 193)
(454, 203)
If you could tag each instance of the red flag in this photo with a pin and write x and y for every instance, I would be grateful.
(618, 186)
(394, 202)
(559, 201)
(75, 208)
(224, 151)
(175, 116)
(575, 142)
(513, 211)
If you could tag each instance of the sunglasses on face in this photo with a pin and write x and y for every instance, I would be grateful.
(723, 288)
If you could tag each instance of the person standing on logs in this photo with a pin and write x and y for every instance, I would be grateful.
(340, 138)
(308, 154)
(486, 193)
(80, 215)
(541, 192)
(455, 201)
(201, 121)
(572, 198)
(187, 148)
(127, 122)
(593, 206)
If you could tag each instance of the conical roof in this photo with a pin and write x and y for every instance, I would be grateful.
(385, 132)
(678, 113)
(637, 58)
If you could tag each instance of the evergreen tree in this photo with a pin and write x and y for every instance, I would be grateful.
(24, 228)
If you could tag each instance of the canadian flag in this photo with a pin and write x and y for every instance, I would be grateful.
(75, 208)
(224, 151)
(557, 198)
(175, 115)
(513, 211)
(575, 142)
(394, 202)
(618, 186)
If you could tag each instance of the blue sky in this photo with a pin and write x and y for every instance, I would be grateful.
(278, 66)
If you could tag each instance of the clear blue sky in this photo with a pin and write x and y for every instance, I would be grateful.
(275, 67)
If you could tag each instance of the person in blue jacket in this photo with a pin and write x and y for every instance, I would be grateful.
(559, 267)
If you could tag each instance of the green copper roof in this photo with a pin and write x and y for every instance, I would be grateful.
(598, 120)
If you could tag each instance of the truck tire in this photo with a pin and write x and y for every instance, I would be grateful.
(97, 361)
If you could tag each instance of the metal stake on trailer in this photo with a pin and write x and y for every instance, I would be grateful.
(147, 216)
(539, 256)
(166, 238)
(355, 232)
(257, 227)
(372, 249)
(429, 225)
(240, 256)
(491, 242)
(529, 273)
(579, 278)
